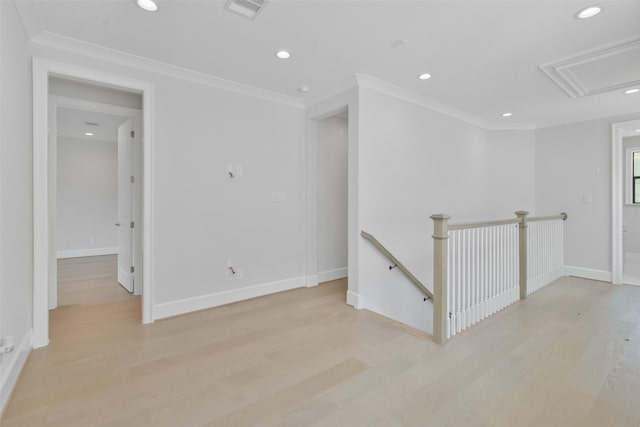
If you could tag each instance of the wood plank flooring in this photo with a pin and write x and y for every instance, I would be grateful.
(568, 356)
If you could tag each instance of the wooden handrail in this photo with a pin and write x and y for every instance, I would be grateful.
(482, 224)
(562, 216)
(462, 226)
(398, 264)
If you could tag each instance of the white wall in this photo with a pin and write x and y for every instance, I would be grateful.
(332, 198)
(572, 161)
(415, 162)
(203, 217)
(16, 208)
(511, 170)
(87, 195)
(631, 213)
(91, 92)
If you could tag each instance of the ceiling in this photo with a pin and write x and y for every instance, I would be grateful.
(484, 55)
(72, 124)
(630, 129)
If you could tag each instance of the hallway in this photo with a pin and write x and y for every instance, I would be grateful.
(567, 356)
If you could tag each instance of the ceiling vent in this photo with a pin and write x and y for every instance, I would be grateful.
(247, 8)
(91, 124)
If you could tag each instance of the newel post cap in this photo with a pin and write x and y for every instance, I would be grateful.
(440, 217)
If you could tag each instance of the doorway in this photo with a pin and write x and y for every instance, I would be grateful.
(332, 188)
(625, 212)
(44, 201)
(341, 107)
(631, 208)
(95, 159)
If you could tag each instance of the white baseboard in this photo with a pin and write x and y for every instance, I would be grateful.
(15, 362)
(588, 273)
(353, 300)
(327, 276)
(312, 281)
(628, 280)
(76, 253)
(187, 305)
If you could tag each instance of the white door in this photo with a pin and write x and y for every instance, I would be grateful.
(125, 205)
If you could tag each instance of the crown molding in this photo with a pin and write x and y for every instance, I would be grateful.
(68, 44)
(512, 126)
(382, 86)
(347, 84)
(607, 115)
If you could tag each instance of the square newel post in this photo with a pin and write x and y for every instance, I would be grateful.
(440, 297)
(522, 250)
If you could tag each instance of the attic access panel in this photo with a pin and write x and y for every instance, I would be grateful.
(614, 67)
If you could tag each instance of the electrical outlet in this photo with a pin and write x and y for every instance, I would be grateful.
(239, 274)
(228, 273)
(239, 170)
(92, 240)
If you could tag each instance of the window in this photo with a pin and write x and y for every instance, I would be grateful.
(636, 176)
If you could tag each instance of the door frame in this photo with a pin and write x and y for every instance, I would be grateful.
(58, 101)
(42, 69)
(322, 109)
(617, 200)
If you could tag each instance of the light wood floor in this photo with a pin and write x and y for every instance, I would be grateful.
(568, 356)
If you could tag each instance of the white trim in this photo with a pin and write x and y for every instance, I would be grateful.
(587, 273)
(77, 253)
(628, 280)
(312, 281)
(41, 71)
(601, 115)
(345, 99)
(439, 107)
(57, 41)
(12, 370)
(354, 300)
(188, 305)
(98, 107)
(617, 192)
(314, 100)
(329, 275)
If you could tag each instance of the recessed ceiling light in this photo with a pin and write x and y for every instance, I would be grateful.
(88, 133)
(304, 88)
(283, 54)
(637, 130)
(148, 5)
(588, 12)
(630, 91)
(424, 76)
(507, 114)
